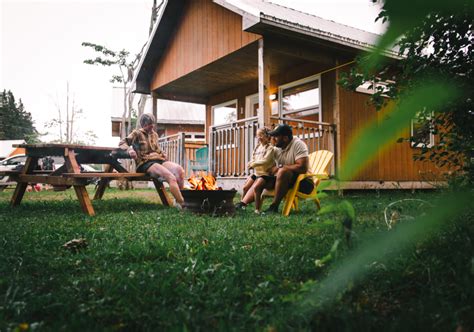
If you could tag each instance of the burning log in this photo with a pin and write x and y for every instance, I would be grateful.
(206, 182)
(206, 197)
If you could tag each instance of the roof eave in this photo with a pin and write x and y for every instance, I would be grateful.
(266, 23)
(156, 45)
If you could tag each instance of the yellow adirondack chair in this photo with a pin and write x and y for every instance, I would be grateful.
(318, 164)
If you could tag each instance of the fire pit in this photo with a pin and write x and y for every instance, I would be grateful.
(206, 197)
(213, 202)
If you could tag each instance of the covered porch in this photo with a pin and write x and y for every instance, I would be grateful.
(261, 84)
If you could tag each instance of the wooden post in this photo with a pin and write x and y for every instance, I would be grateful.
(264, 107)
(81, 192)
(103, 183)
(155, 104)
(30, 165)
(182, 149)
(165, 200)
(337, 124)
(211, 153)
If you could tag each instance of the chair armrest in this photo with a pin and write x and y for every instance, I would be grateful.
(301, 177)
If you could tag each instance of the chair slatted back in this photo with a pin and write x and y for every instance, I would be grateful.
(319, 162)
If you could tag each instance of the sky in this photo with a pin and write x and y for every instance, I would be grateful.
(40, 50)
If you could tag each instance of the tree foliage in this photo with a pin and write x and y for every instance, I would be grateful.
(15, 121)
(439, 46)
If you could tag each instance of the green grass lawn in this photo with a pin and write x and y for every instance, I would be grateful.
(147, 267)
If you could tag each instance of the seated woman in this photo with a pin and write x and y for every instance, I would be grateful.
(149, 157)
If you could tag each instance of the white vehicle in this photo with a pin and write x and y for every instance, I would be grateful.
(16, 162)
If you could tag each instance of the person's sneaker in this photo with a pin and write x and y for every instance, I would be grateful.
(258, 212)
(240, 206)
(272, 209)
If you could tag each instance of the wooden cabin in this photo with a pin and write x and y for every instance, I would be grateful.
(253, 63)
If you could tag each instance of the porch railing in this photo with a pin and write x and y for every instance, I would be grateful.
(232, 144)
(180, 149)
(173, 146)
(231, 147)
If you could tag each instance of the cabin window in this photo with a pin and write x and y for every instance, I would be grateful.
(224, 113)
(421, 131)
(370, 87)
(301, 98)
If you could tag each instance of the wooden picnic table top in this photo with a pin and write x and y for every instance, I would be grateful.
(64, 146)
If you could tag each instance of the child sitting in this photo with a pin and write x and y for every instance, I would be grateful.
(262, 162)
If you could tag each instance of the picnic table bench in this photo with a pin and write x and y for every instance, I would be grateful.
(70, 173)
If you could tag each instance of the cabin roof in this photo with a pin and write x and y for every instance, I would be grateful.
(258, 16)
(260, 12)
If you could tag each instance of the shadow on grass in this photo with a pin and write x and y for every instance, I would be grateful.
(71, 207)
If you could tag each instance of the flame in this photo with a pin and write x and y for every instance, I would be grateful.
(205, 182)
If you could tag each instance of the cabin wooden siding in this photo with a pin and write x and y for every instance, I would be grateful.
(172, 129)
(204, 33)
(393, 162)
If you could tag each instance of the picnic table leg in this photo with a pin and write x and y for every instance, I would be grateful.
(161, 192)
(81, 192)
(20, 189)
(103, 184)
(18, 194)
(84, 199)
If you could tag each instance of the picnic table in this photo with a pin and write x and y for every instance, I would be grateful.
(70, 174)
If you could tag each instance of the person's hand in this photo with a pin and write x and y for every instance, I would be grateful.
(132, 153)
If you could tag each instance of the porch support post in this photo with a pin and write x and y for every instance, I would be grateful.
(337, 123)
(154, 99)
(264, 107)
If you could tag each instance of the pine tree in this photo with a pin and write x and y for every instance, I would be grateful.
(15, 121)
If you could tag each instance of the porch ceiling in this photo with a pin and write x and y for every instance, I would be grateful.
(236, 69)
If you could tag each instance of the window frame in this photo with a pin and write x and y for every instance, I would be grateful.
(249, 102)
(364, 87)
(302, 81)
(224, 104)
(431, 138)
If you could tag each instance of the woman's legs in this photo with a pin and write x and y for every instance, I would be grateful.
(258, 189)
(157, 170)
(177, 171)
(247, 185)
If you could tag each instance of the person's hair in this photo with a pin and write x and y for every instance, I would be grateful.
(264, 130)
(145, 119)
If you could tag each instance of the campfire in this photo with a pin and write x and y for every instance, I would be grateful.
(206, 197)
(203, 181)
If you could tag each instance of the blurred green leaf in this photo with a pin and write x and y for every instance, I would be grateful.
(384, 247)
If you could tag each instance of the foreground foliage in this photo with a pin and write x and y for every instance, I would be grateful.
(147, 267)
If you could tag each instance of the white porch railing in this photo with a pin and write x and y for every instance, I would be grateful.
(173, 146)
(232, 144)
(181, 147)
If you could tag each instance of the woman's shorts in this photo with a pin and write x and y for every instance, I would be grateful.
(145, 166)
(306, 186)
